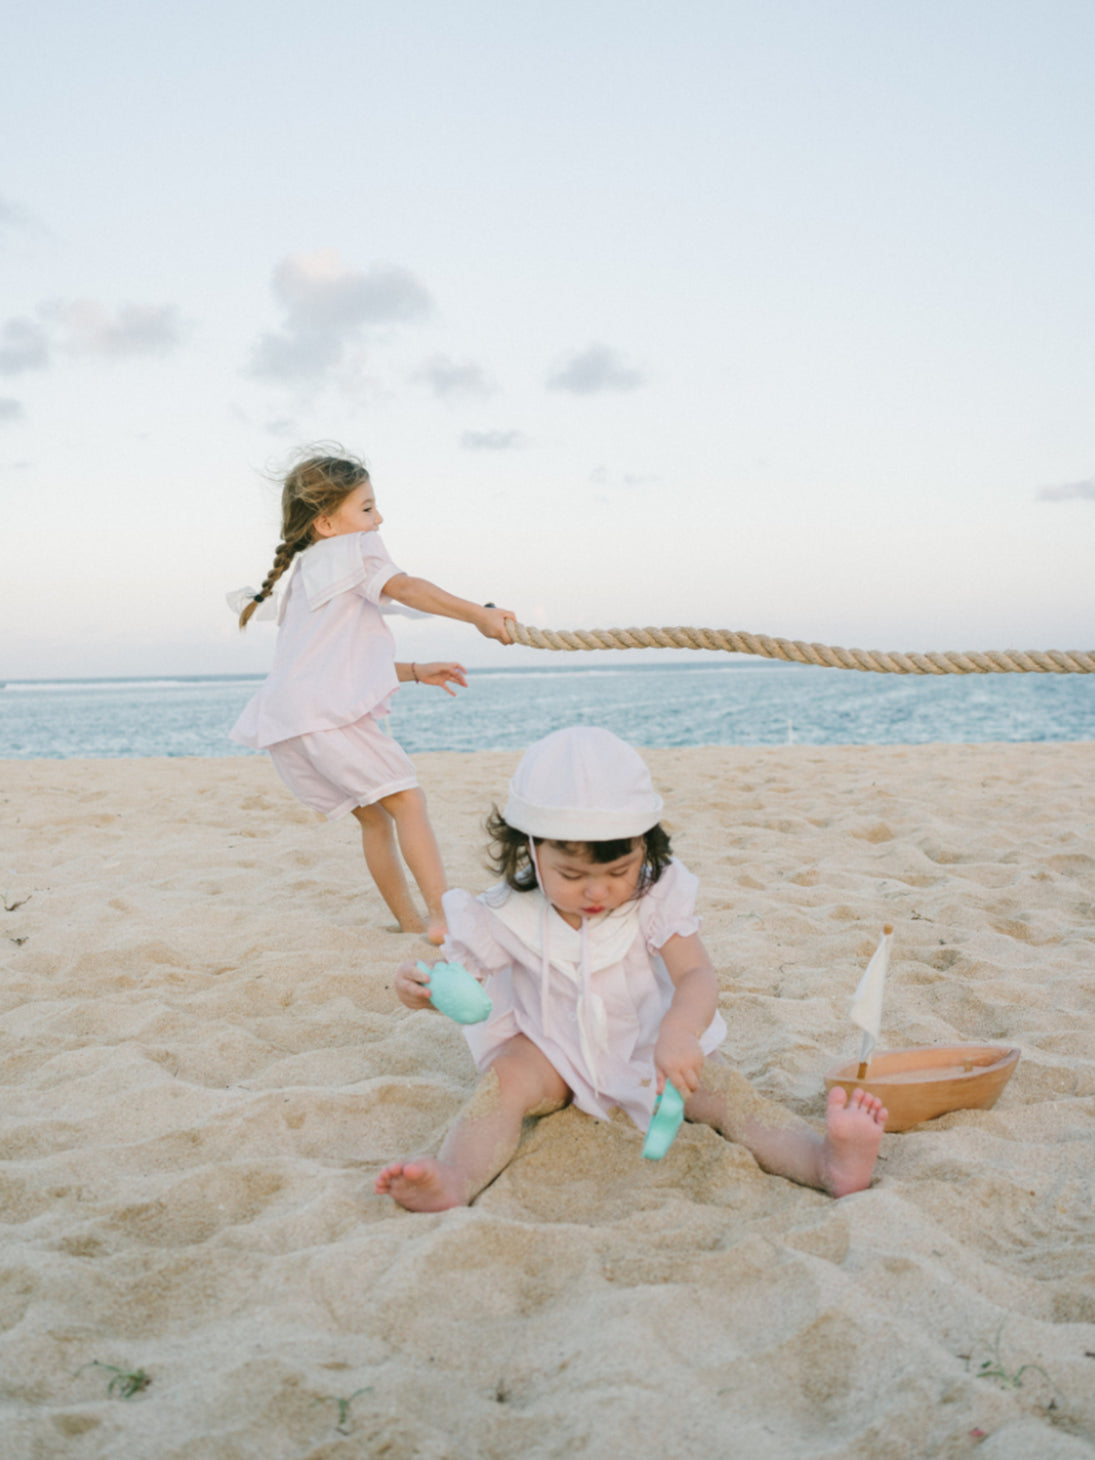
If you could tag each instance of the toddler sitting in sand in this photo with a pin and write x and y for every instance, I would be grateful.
(601, 988)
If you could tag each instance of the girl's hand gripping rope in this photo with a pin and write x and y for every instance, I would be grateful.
(494, 623)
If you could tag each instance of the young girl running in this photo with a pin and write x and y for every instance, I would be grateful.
(321, 711)
(601, 988)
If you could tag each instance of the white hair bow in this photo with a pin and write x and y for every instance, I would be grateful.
(239, 599)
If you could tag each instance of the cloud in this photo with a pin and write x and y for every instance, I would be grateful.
(594, 369)
(327, 307)
(1069, 491)
(450, 377)
(24, 345)
(10, 410)
(134, 329)
(492, 440)
(88, 328)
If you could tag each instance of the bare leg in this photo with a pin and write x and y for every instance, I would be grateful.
(840, 1161)
(420, 852)
(383, 861)
(485, 1136)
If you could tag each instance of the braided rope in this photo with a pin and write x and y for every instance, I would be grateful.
(795, 651)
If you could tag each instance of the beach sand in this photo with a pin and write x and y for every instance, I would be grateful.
(203, 1066)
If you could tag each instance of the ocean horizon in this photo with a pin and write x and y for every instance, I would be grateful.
(737, 703)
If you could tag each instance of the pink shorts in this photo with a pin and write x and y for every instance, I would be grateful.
(332, 771)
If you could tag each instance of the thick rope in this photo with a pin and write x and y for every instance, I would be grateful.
(795, 651)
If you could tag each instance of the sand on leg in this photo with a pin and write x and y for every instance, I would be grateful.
(520, 1082)
(838, 1161)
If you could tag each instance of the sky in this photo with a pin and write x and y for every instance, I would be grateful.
(767, 315)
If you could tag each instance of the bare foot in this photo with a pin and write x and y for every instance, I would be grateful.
(424, 1185)
(436, 929)
(853, 1132)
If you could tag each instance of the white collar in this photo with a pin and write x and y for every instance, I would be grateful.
(332, 566)
(608, 936)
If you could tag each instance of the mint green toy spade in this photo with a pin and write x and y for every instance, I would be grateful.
(664, 1123)
(456, 993)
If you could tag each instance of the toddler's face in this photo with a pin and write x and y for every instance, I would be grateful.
(577, 887)
(356, 513)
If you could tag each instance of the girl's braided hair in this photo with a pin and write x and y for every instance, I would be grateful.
(314, 487)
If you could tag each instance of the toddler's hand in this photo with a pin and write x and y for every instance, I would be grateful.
(494, 623)
(412, 986)
(441, 675)
(678, 1057)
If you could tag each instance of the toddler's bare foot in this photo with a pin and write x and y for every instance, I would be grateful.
(853, 1132)
(412, 925)
(424, 1185)
(436, 929)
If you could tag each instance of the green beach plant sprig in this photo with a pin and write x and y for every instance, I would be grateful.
(344, 1406)
(126, 1382)
(994, 1367)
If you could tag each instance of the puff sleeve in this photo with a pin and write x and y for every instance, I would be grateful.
(668, 909)
(470, 939)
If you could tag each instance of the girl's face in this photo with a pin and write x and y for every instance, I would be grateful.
(578, 887)
(356, 513)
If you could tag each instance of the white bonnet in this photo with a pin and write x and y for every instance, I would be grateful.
(582, 784)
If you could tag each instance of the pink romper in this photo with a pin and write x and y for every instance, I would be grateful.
(596, 1017)
(320, 711)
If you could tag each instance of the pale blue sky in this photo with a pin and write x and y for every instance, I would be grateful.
(772, 316)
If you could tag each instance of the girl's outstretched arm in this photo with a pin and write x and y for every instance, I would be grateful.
(438, 673)
(420, 593)
(677, 1055)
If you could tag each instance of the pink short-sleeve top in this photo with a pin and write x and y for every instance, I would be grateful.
(334, 660)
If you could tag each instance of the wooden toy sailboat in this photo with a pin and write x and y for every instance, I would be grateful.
(917, 1084)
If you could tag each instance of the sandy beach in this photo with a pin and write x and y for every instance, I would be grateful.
(203, 1066)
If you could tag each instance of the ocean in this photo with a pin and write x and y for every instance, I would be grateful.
(707, 703)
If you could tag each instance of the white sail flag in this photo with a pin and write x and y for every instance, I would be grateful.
(866, 1005)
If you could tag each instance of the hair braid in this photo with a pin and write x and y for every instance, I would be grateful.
(284, 555)
(316, 485)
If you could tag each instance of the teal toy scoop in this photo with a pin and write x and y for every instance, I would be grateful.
(456, 993)
(664, 1123)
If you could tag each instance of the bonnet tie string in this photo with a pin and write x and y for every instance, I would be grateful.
(590, 1014)
(545, 961)
(590, 1011)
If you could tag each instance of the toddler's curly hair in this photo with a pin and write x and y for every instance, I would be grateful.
(509, 856)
